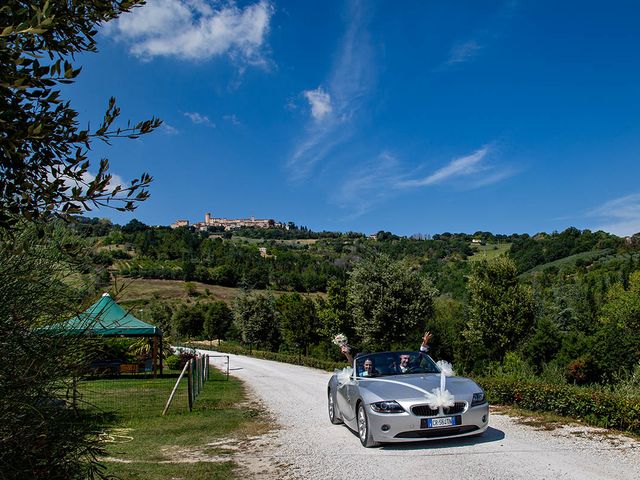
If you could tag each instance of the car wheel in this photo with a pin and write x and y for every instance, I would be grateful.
(331, 404)
(364, 432)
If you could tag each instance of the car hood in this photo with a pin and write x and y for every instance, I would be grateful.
(411, 387)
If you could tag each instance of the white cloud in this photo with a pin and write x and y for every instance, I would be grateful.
(620, 216)
(319, 101)
(232, 119)
(463, 52)
(368, 184)
(199, 119)
(169, 130)
(459, 167)
(373, 182)
(196, 30)
(88, 177)
(348, 84)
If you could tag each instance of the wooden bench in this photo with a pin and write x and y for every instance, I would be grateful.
(129, 368)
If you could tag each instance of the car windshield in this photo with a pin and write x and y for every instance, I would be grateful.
(394, 363)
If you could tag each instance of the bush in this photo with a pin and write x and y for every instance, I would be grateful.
(173, 362)
(281, 357)
(596, 407)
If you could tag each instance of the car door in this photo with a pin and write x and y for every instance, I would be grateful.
(345, 398)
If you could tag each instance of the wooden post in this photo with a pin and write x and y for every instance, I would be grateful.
(161, 355)
(175, 387)
(197, 377)
(190, 384)
(75, 392)
(155, 356)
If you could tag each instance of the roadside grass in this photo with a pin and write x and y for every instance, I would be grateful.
(142, 443)
(551, 421)
(490, 251)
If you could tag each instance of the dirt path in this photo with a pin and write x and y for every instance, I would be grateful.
(308, 446)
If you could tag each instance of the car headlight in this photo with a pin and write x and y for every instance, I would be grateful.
(478, 399)
(387, 407)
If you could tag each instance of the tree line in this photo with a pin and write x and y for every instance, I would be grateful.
(567, 332)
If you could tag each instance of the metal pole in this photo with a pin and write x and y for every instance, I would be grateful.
(175, 387)
(190, 384)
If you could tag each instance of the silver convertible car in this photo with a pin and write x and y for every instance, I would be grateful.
(389, 397)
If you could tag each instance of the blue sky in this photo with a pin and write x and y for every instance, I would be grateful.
(411, 117)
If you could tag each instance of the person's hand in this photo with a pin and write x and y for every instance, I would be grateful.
(426, 338)
(345, 349)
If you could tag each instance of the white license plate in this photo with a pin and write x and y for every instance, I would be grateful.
(441, 422)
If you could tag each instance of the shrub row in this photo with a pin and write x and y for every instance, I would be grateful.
(595, 407)
(278, 357)
(602, 409)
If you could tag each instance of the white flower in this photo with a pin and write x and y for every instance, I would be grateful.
(340, 339)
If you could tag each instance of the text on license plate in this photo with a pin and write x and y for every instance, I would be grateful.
(441, 422)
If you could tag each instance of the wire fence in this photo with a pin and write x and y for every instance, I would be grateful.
(140, 395)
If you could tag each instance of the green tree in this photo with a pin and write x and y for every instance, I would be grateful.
(44, 165)
(389, 301)
(501, 311)
(298, 321)
(333, 312)
(616, 344)
(188, 321)
(41, 436)
(218, 318)
(160, 315)
(445, 326)
(257, 320)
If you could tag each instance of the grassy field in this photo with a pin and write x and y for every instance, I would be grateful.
(137, 289)
(303, 241)
(490, 251)
(570, 260)
(140, 290)
(195, 445)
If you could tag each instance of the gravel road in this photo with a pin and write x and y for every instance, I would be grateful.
(308, 446)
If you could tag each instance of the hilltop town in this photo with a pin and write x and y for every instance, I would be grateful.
(228, 223)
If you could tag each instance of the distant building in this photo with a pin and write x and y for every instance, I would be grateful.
(229, 223)
(180, 223)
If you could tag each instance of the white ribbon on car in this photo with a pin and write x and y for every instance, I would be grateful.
(438, 397)
(441, 397)
(344, 375)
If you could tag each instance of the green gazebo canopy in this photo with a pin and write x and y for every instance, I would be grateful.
(107, 318)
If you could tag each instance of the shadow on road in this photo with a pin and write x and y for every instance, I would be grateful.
(490, 435)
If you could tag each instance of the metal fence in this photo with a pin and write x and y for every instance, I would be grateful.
(140, 394)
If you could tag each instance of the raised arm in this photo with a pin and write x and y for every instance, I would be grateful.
(347, 353)
(425, 341)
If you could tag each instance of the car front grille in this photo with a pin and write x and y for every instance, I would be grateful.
(458, 407)
(426, 411)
